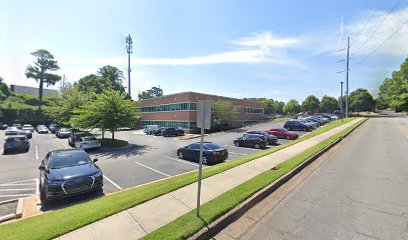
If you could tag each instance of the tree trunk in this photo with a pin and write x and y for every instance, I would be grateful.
(40, 92)
(113, 134)
(103, 133)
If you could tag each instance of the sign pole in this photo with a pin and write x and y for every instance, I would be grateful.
(200, 168)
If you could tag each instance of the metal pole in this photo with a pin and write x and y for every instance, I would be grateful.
(129, 51)
(347, 77)
(200, 167)
(129, 70)
(341, 98)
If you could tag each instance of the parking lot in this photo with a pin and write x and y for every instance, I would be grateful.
(148, 158)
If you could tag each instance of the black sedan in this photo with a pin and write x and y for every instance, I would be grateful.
(212, 152)
(272, 140)
(251, 140)
(64, 173)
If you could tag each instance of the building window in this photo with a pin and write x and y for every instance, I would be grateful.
(190, 106)
(183, 125)
(254, 110)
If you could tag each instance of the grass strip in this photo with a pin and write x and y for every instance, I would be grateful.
(188, 224)
(56, 223)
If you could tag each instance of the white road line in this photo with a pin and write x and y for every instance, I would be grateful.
(15, 195)
(36, 152)
(242, 154)
(16, 189)
(113, 183)
(16, 184)
(27, 180)
(152, 169)
(37, 186)
(242, 148)
(178, 160)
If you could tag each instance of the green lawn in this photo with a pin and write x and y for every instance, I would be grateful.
(53, 224)
(188, 224)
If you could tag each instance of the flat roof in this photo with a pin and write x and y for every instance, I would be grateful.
(175, 94)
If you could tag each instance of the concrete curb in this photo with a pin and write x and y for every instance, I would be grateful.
(218, 225)
(19, 211)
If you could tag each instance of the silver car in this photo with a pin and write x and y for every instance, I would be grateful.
(12, 131)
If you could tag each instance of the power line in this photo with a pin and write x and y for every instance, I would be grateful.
(369, 19)
(377, 27)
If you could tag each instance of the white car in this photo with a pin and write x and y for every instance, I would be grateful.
(12, 131)
(88, 143)
(28, 127)
(42, 130)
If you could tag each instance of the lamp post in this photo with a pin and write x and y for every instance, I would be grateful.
(129, 50)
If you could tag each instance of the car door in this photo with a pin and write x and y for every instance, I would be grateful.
(44, 162)
(194, 151)
(245, 140)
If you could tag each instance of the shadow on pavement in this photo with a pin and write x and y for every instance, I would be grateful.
(131, 150)
(67, 202)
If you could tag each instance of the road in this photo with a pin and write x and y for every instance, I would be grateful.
(148, 159)
(361, 192)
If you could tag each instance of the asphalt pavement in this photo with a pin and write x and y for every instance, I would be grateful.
(360, 192)
(148, 158)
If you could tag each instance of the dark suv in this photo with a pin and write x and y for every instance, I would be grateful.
(297, 125)
(168, 132)
(65, 173)
(251, 140)
(271, 139)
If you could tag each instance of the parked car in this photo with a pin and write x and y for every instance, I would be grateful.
(17, 125)
(42, 129)
(311, 123)
(3, 126)
(319, 122)
(251, 140)
(334, 117)
(150, 129)
(297, 125)
(282, 133)
(168, 132)
(53, 127)
(16, 143)
(68, 172)
(26, 132)
(63, 133)
(319, 119)
(28, 127)
(159, 131)
(89, 142)
(12, 131)
(271, 139)
(326, 117)
(212, 152)
(75, 137)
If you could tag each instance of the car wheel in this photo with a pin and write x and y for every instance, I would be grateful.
(180, 155)
(205, 160)
(27, 149)
(236, 144)
(43, 198)
(257, 146)
(288, 138)
(4, 152)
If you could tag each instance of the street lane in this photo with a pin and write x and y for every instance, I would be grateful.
(361, 192)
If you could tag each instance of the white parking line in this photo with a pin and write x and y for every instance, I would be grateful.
(242, 148)
(242, 154)
(15, 195)
(16, 189)
(37, 186)
(27, 180)
(178, 160)
(113, 183)
(16, 184)
(36, 152)
(152, 169)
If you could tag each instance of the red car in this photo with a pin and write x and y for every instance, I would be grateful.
(282, 133)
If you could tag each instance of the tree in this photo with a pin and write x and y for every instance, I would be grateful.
(380, 103)
(328, 104)
(224, 112)
(151, 93)
(4, 90)
(278, 107)
(361, 100)
(292, 107)
(310, 104)
(109, 110)
(43, 65)
(107, 77)
(269, 106)
(394, 90)
(62, 108)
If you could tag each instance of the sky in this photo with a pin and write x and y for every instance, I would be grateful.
(235, 48)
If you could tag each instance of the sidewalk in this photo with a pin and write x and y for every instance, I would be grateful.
(142, 219)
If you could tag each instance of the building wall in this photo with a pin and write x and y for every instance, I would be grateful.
(183, 111)
(32, 90)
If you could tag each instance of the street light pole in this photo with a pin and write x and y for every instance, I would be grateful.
(347, 76)
(341, 98)
(129, 50)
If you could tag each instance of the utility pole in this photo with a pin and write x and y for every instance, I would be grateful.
(341, 98)
(347, 76)
(129, 51)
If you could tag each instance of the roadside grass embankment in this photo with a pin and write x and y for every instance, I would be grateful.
(52, 224)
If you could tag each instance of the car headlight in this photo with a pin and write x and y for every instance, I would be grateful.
(98, 174)
(55, 182)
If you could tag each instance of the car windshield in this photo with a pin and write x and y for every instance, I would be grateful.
(15, 139)
(89, 139)
(12, 129)
(69, 159)
(212, 146)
